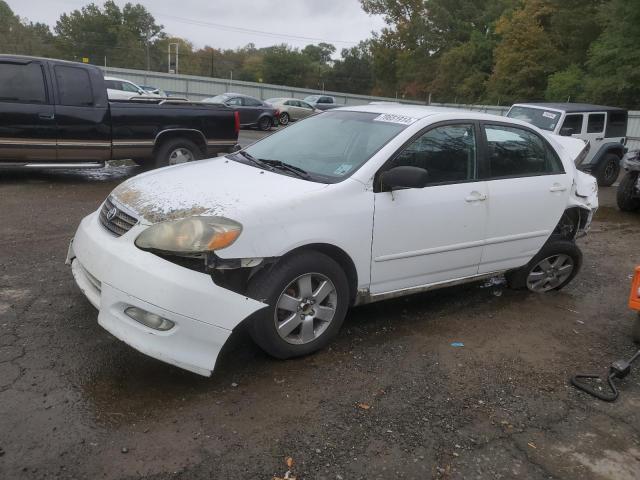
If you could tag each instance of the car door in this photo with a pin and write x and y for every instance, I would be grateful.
(27, 117)
(527, 194)
(594, 133)
(304, 109)
(433, 234)
(253, 108)
(82, 116)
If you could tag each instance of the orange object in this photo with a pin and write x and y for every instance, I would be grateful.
(634, 295)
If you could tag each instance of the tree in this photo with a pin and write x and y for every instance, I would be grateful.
(525, 56)
(353, 73)
(22, 37)
(613, 65)
(566, 85)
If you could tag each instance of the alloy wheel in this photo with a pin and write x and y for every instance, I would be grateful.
(180, 155)
(305, 308)
(550, 273)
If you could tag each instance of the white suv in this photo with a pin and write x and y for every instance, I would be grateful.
(603, 128)
(352, 206)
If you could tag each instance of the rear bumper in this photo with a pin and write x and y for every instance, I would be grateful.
(115, 275)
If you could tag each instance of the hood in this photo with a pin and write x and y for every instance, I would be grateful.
(218, 186)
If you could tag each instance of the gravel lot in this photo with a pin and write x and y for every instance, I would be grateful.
(391, 399)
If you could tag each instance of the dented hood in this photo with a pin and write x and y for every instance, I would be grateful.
(218, 186)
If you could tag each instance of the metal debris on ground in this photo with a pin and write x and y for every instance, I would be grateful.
(457, 344)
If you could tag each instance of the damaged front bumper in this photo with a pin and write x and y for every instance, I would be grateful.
(115, 275)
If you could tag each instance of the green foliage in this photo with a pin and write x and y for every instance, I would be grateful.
(566, 85)
(465, 51)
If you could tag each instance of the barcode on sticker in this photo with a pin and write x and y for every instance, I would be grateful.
(388, 117)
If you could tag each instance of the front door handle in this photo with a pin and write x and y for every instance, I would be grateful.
(556, 187)
(46, 116)
(475, 197)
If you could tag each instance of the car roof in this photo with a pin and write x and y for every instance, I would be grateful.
(414, 111)
(572, 107)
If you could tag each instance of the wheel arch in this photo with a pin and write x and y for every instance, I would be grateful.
(341, 257)
(196, 136)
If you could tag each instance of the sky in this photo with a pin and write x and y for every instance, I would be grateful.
(235, 23)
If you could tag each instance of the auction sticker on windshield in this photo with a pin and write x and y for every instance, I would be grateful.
(550, 115)
(387, 117)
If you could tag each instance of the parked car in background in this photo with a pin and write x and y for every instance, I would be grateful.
(292, 109)
(120, 89)
(353, 206)
(253, 112)
(628, 194)
(55, 113)
(154, 90)
(321, 102)
(604, 128)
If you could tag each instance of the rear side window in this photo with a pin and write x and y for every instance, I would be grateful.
(596, 123)
(74, 86)
(515, 152)
(22, 83)
(617, 125)
(252, 102)
(447, 153)
(572, 125)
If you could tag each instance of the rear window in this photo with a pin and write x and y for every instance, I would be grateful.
(22, 83)
(74, 86)
(541, 118)
(617, 125)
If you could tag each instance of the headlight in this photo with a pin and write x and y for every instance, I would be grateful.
(191, 235)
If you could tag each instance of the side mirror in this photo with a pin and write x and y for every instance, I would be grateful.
(404, 177)
(566, 131)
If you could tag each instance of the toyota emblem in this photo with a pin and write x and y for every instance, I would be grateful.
(112, 213)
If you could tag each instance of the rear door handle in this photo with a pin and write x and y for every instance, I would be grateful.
(475, 197)
(556, 187)
(46, 116)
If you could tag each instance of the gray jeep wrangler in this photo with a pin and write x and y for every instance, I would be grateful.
(604, 128)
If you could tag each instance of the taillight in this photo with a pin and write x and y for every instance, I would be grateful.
(236, 116)
(634, 295)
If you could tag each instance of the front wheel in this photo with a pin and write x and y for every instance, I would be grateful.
(607, 172)
(307, 296)
(627, 197)
(554, 266)
(284, 118)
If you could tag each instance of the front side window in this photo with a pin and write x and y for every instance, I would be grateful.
(330, 146)
(447, 153)
(22, 83)
(129, 87)
(74, 86)
(234, 101)
(596, 123)
(515, 152)
(572, 125)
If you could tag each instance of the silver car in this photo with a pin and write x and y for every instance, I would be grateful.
(292, 109)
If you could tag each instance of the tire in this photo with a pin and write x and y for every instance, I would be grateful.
(537, 278)
(608, 170)
(265, 123)
(626, 196)
(167, 153)
(282, 286)
(635, 332)
(284, 118)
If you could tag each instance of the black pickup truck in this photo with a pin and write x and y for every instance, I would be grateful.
(55, 113)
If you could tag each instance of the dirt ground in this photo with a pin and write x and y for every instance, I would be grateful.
(76, 403)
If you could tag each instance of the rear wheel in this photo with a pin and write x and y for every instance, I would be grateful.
(176, 151)
(555, 265)
(607, 172)
(264, 124)
(627, 197)
(308, 298)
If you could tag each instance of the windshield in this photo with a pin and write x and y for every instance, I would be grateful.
(544, 119)
(217, 99)
(330, 146)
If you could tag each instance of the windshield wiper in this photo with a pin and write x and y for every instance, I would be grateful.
(251, 158)
(285, 166)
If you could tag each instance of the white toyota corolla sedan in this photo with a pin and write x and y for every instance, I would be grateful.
(351, 206)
